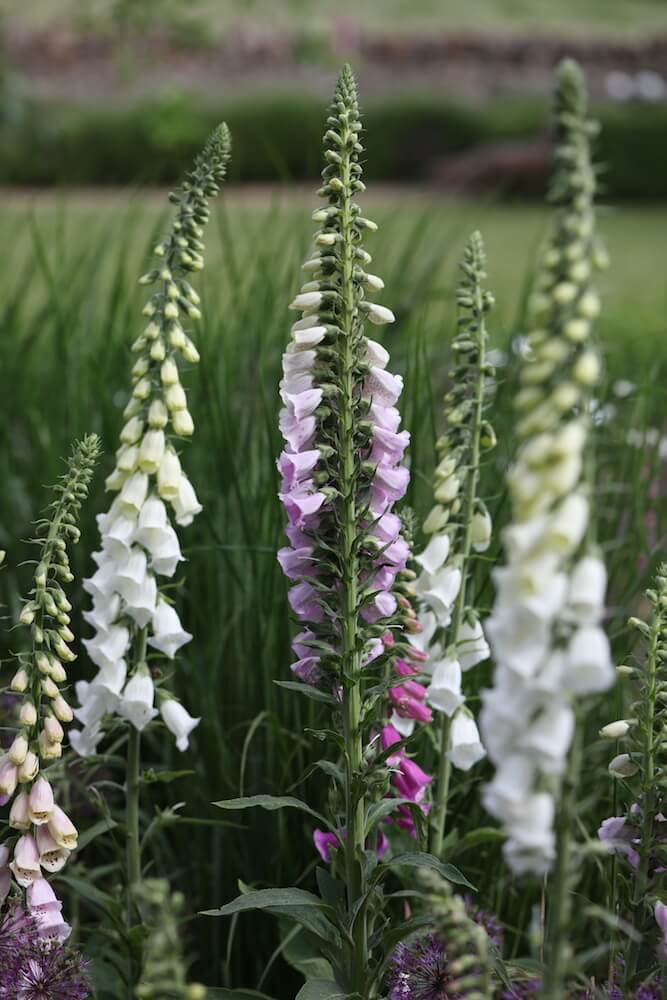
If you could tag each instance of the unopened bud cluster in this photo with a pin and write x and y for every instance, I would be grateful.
(545, 627)
(163, 976)
(139, 543)
(469, 962)
(46, 834)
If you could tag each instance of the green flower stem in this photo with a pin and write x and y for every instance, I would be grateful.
(648, 788)
(563, 880)
(354, 803)
(472, 481)
(132, 807)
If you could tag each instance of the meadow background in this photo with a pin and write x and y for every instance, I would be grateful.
(78, 215)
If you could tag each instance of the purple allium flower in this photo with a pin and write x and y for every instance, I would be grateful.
(419, 971)
(33, 967)
(488, 920)
(49, 972)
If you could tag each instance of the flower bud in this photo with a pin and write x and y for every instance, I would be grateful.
(61, 709)
(19, 818)
(623, 766)
(615, 730)
(20, 680)
(28, 713)
(29, 769)
(49, 749)
(18, 750)
(54, 731)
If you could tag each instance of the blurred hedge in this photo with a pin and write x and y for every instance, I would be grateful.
(277, 136)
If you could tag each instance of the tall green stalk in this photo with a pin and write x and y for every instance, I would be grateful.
(354, 802)
(562, 882)
(474, 303)
(645, 734)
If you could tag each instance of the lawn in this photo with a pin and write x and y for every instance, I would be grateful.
(613, 17)
(69, 309)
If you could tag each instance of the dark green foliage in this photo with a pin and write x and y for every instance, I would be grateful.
(278, 135)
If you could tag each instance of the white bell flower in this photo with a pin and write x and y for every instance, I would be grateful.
(549, 737)
(589, 665)
(586, 595)
(435, 554)
(85, 741)
(439, 591)
(186, 505)
(472, 647)
(465, 746)
(168, 633)
(136, 704)
(444, 691)
(108, 646)
(178, 721)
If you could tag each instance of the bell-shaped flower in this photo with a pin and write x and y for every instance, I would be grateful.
(465, 746)
(178, 721)
(548, 737)
(52, 857)
(133, 493)
(586, 594)
(589, 666)
(168, 633)
(108, 646)
(46, 909)
(25, 866)
(444, 691)
(62, 829)
(85, 741)
(481, 528)
(40, 802)
(435, 554)
(531, 841)
(185, 503)
(439, 591)
(136, 703)
(158, 537)
(472, 648)
(19, 815)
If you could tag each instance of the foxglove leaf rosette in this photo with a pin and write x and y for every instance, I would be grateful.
(545, 629)
(152, 493)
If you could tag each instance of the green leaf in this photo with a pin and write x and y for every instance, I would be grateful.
(266, 899)
(151, 776)
(300, 950)
(331, 890)
(379, 810)
(302, 907)
(419, 859)
(102, 826)
(320, 989)
(394, 935)
(308, 691)
(272, 802)
(483, 835)
(91, 893)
